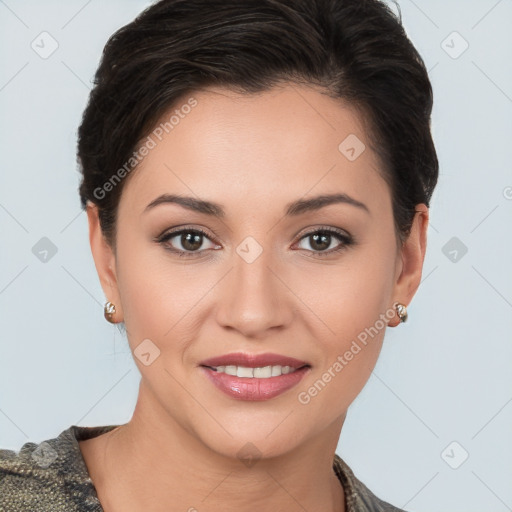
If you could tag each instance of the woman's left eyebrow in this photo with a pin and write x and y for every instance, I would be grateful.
(315, 203)
(292, 209)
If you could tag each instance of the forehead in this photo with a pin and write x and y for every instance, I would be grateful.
(270, 147)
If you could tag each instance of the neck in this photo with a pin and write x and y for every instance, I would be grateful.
(154, 460)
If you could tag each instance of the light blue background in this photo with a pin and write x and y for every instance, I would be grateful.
(444, 376)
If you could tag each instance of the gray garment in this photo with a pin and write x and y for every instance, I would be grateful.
(52, 476)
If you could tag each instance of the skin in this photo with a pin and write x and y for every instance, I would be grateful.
(253, 154)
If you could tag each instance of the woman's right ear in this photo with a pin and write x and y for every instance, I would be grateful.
(104, 258)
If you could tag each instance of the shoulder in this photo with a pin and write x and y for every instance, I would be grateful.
(48, 476)
(358, 496)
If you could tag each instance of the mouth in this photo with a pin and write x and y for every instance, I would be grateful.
(254, 377)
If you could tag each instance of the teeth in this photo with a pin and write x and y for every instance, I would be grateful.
(258, 373)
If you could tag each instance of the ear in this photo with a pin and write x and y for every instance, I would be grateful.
(410, 263)
(104, 260)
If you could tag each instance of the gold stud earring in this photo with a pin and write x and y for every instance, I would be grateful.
(109, 311)
(401, 311)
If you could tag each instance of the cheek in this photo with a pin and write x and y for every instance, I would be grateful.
(151, 294)
(348, 356)
(161, 300)
(355, 309)
(351, 295)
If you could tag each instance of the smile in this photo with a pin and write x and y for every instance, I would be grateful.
(263, 372)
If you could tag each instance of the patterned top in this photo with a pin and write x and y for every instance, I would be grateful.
(52, 476)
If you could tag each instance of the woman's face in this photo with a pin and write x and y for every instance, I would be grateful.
(274, 272)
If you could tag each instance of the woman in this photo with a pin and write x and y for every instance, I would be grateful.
(257, 178)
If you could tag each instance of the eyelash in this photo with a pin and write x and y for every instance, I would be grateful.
(346, 240)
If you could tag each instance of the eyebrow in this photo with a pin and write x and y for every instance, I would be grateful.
(292, 209)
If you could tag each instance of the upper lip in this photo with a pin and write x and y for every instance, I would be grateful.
(253, 360)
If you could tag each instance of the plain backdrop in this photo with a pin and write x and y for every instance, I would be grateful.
(431, 431)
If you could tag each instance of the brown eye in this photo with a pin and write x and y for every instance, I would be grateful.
(185, 242)
(191, 241)
(323, 241)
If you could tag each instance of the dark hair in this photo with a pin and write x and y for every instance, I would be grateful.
(355, 50)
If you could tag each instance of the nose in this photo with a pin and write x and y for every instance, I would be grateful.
(253, 297)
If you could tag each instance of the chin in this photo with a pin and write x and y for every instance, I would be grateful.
(255, 438)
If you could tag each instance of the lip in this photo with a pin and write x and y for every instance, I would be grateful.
(251, 388)
(253, 360)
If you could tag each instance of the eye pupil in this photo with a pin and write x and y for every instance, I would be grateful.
(191, 241)
(323, 244)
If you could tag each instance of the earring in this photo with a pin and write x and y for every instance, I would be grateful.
(401, 311)
(109, 311)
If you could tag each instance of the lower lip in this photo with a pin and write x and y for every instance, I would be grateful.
(247, 388)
